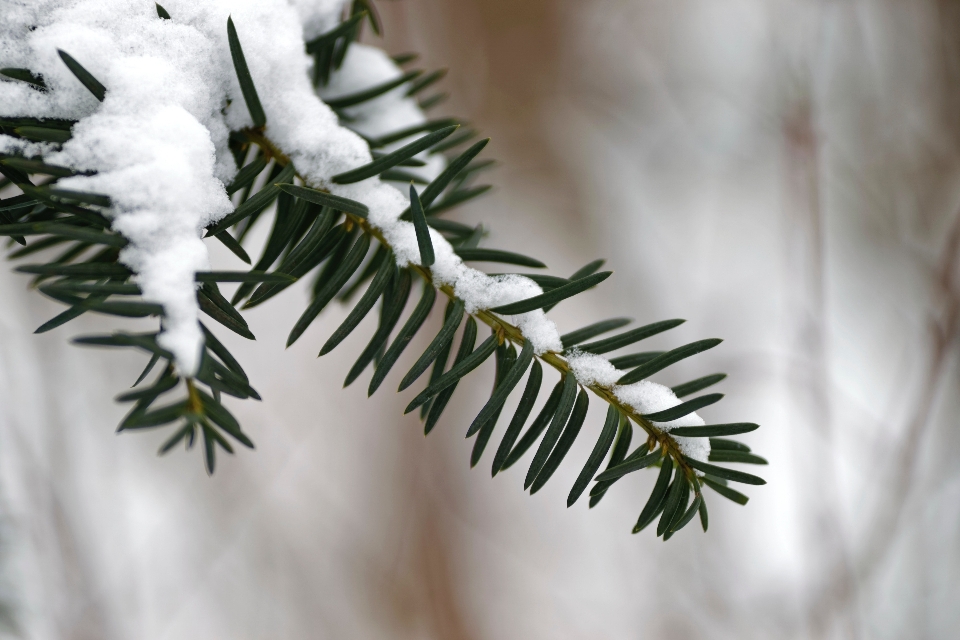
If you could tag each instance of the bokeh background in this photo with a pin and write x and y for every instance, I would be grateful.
(782, 173)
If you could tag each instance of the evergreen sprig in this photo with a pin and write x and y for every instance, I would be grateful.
(317, 231)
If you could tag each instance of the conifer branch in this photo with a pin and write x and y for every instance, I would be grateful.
(315, 229)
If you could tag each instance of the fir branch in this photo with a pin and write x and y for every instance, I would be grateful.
(315, 227)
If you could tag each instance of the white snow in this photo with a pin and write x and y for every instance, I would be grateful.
(11, 145)
(649, 397)
(590, 368)
(158, 143)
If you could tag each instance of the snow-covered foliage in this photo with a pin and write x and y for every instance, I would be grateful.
(157, 145)
(159, 140)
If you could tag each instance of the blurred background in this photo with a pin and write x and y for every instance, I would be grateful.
(784, 174)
